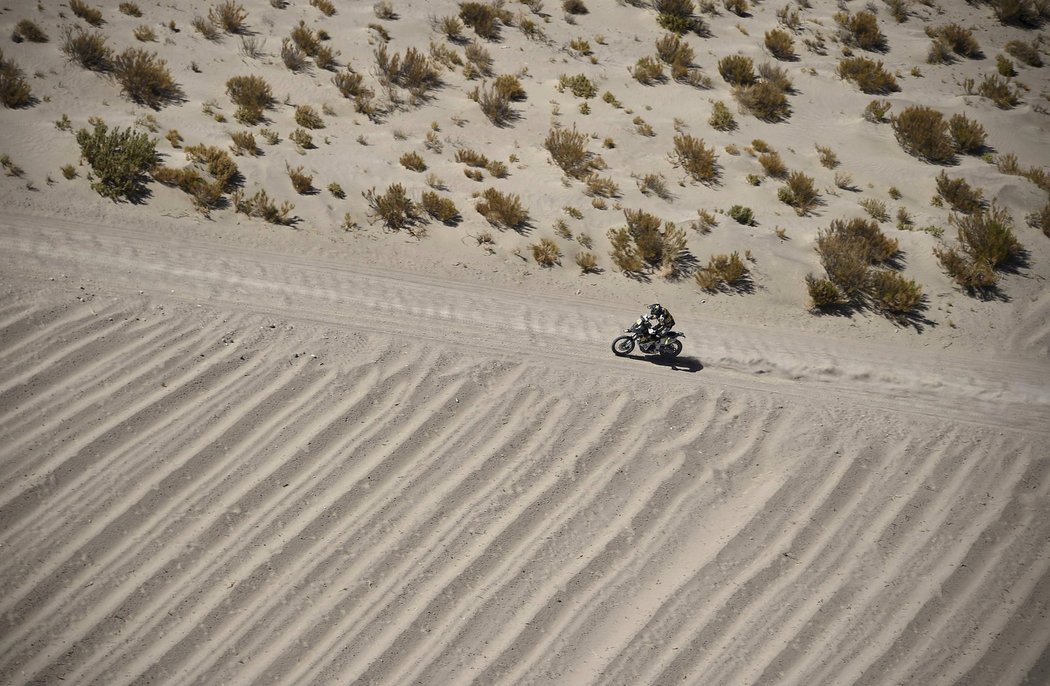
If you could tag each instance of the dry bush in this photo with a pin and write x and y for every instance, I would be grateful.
(601, 186)
(480, 59)
(764, 100)
(1023, 13)
(174, 137)
(336, 190)
(119, 159)
(86, 12)
(579, 85)
(510, 87)
(742, 215)
(350, 84)
(653, 184)
(205, 28)
(545, 252)
(217, 162)
(624, 253)
(861, 30)
(587, 262)
(898, 9)
(144, 34)
(891, 293)
(324, 6)
(308, 118)
(1040, 219)
(959, 195)
(1001, 91)
(780, 44)
(923, 133)
(324, 58)
(823, 293)
(206, 195)
(574, 6)
(643, 127)
(737, 70)
(773, 164)
(648, 71)
(868, 74)
(737, 7)
(848, 249)
(705, 221)
(413, 162)
(145, 78)
(302, 182)
(959, 39)
(799, 193)
(228, 16)
(494, 103)
(502, 209)
(302, 139)
(987, 236)
(130, 9)
(568, 150)
(481, 17)
(828, 158)
(384, 10)
(244, 143)
(27, 30)
(305, 39)
(252, 95)
(722, 271)
(261, 206)
(1025, 53)
(875, 208)
(440, 207)
(721, 118)
(293, 56)
(775, 76)
(940, 52)
(970, 275)
(393, 207)
(415, 72)
(875, 111)
(1005, 66)
(87, 49)
(15, 91)
(451, 27)
(674, 51)
(471, 158)
(638, 244)
(969, 136)
(698, 160)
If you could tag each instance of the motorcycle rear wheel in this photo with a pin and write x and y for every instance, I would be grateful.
(622, 346)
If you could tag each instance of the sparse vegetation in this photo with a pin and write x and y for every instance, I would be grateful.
(25, 29)
(244, 143)
(15, 91)
(958, 39)
(828, 158)
(696, 159)
(415, 72)
(1002, 92)
(228, 16)
(482, 18)
(773, 164)
(545, 252)
(579, 85)
(861, 30)
(968, 135)
(145, 78)
(393, 207)
(568, 150)
(641, 244)
(502, 209)
(413, 161)
(737, 70)
(252, 95)
(959, 195)
(868, 74)
(586, 261)
(986, 242)
(308, 118)
(439, 207)
(875, 208)
(876, 110)
(799, 192)
(1025, 53)
(302, 139)
(261, 206)
(741, 214)
(923, 133)
(721, 118)
(130, 9)
(722, 271)
(780, 44)
(86, 12)
(88, 49)
(302, 182)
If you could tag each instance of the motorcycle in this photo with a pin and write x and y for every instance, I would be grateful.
(667, 345)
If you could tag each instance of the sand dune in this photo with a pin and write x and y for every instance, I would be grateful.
(225, 484)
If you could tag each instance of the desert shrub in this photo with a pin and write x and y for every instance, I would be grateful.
(737, 70)
(261, 206)
(393, 207)
(1000, 91)
(772, 164)
(672, 50)
(302, 182)
(217, 162)
(1040, 219)
(586, 262)
(970, 275)
(308, 118)
(601, 186)
(844, 180)
(764, 100)
(304, 38)
(349, 83)
(875, 111)
(780, 44)
(545, 252)
(875, 208)
(439, 207)
(923, 133)
(205, 28)
(510, 87)
(15, 91)
(696, 159)
(1025, 13)
(145, 78)
(451, 27)
(68, 171)
(868, 74)
(568, 150)
(940, 52)
(119, 159)
(301, 138)
(828, 158)
(848, 249)
(775, 76)
(471, 158)
(324, 6)
(252, 95)
(721, 271)
(653, 184)
(293, 56)
(823, 293)
(574, 6)
(130, 9)
(969, 136)
(144, 33)
(384, 9)
(579, 85)
(799, 193)
(415, 72)
(481, 17)
(741, 214)
(324, 58)
(624, 254)
(86, 12)
(959, 39)
(174, 137)
(1026, 53)
(861, 30)
(244, 143)
(480, 59)
(648, 71)
(987, 236)
(336, 190)
(494, 103)
(229, 16)
(27, 30)
(641, 244)
(502, 209)
(87, 49)
(721, 118)
(1005, 66)
(413, 161)
(891, 293)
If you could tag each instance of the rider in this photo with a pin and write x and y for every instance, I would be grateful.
(657, 320)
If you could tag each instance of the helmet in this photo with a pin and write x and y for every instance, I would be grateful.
(656, 309)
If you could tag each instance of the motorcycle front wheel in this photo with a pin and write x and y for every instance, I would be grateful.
(672, 349)
(623, 346)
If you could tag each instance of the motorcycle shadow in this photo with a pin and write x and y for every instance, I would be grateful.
(678, 364)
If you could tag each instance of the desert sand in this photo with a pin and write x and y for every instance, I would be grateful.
(241, 452)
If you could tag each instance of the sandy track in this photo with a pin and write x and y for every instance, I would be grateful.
(228, 465)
